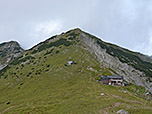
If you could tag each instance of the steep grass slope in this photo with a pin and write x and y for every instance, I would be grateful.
(40, 82)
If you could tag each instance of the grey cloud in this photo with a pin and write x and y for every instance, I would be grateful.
(123, 22)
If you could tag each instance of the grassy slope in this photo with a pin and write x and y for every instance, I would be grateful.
(63, 89)
(46, 85)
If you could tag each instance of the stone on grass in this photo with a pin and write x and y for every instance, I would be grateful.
(122, 111)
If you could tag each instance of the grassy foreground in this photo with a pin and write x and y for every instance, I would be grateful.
(45, 84)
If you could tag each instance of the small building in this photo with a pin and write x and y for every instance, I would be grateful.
(70, 62)
(112, 80)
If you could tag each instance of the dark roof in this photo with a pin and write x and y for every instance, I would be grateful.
(111, 77)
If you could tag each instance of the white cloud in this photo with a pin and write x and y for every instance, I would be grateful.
(40, 31)
(123, 22)
(145, 47)
(49, 27)
(149, 47)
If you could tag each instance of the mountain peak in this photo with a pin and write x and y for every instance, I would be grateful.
(10, 47)
(76, 29)
(9, 42)
(44, 76)
(9, 51)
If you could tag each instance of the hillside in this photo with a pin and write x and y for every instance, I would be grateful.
(40, 81)
(135, 67)
(9, 51)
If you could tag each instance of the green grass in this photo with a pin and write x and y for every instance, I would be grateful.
(63, 89)
(18, 60)
(43, 84)
(57, 43)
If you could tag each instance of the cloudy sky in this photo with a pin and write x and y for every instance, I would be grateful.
(127, 23)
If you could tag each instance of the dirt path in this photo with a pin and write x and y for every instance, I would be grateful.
(105, 110)
(7, 109)
(133, 101)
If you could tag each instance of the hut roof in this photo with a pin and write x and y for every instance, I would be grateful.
(111, 77)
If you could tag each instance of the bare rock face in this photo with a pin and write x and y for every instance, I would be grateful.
(130, 73)
(9, 51)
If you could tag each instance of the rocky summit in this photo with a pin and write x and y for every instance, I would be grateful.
(9, 51)
(61, 75)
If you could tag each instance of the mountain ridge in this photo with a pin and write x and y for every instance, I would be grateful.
(41, 81)
(132, 65)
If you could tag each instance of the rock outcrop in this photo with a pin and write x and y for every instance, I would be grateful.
(130, 73)
(9, 51)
